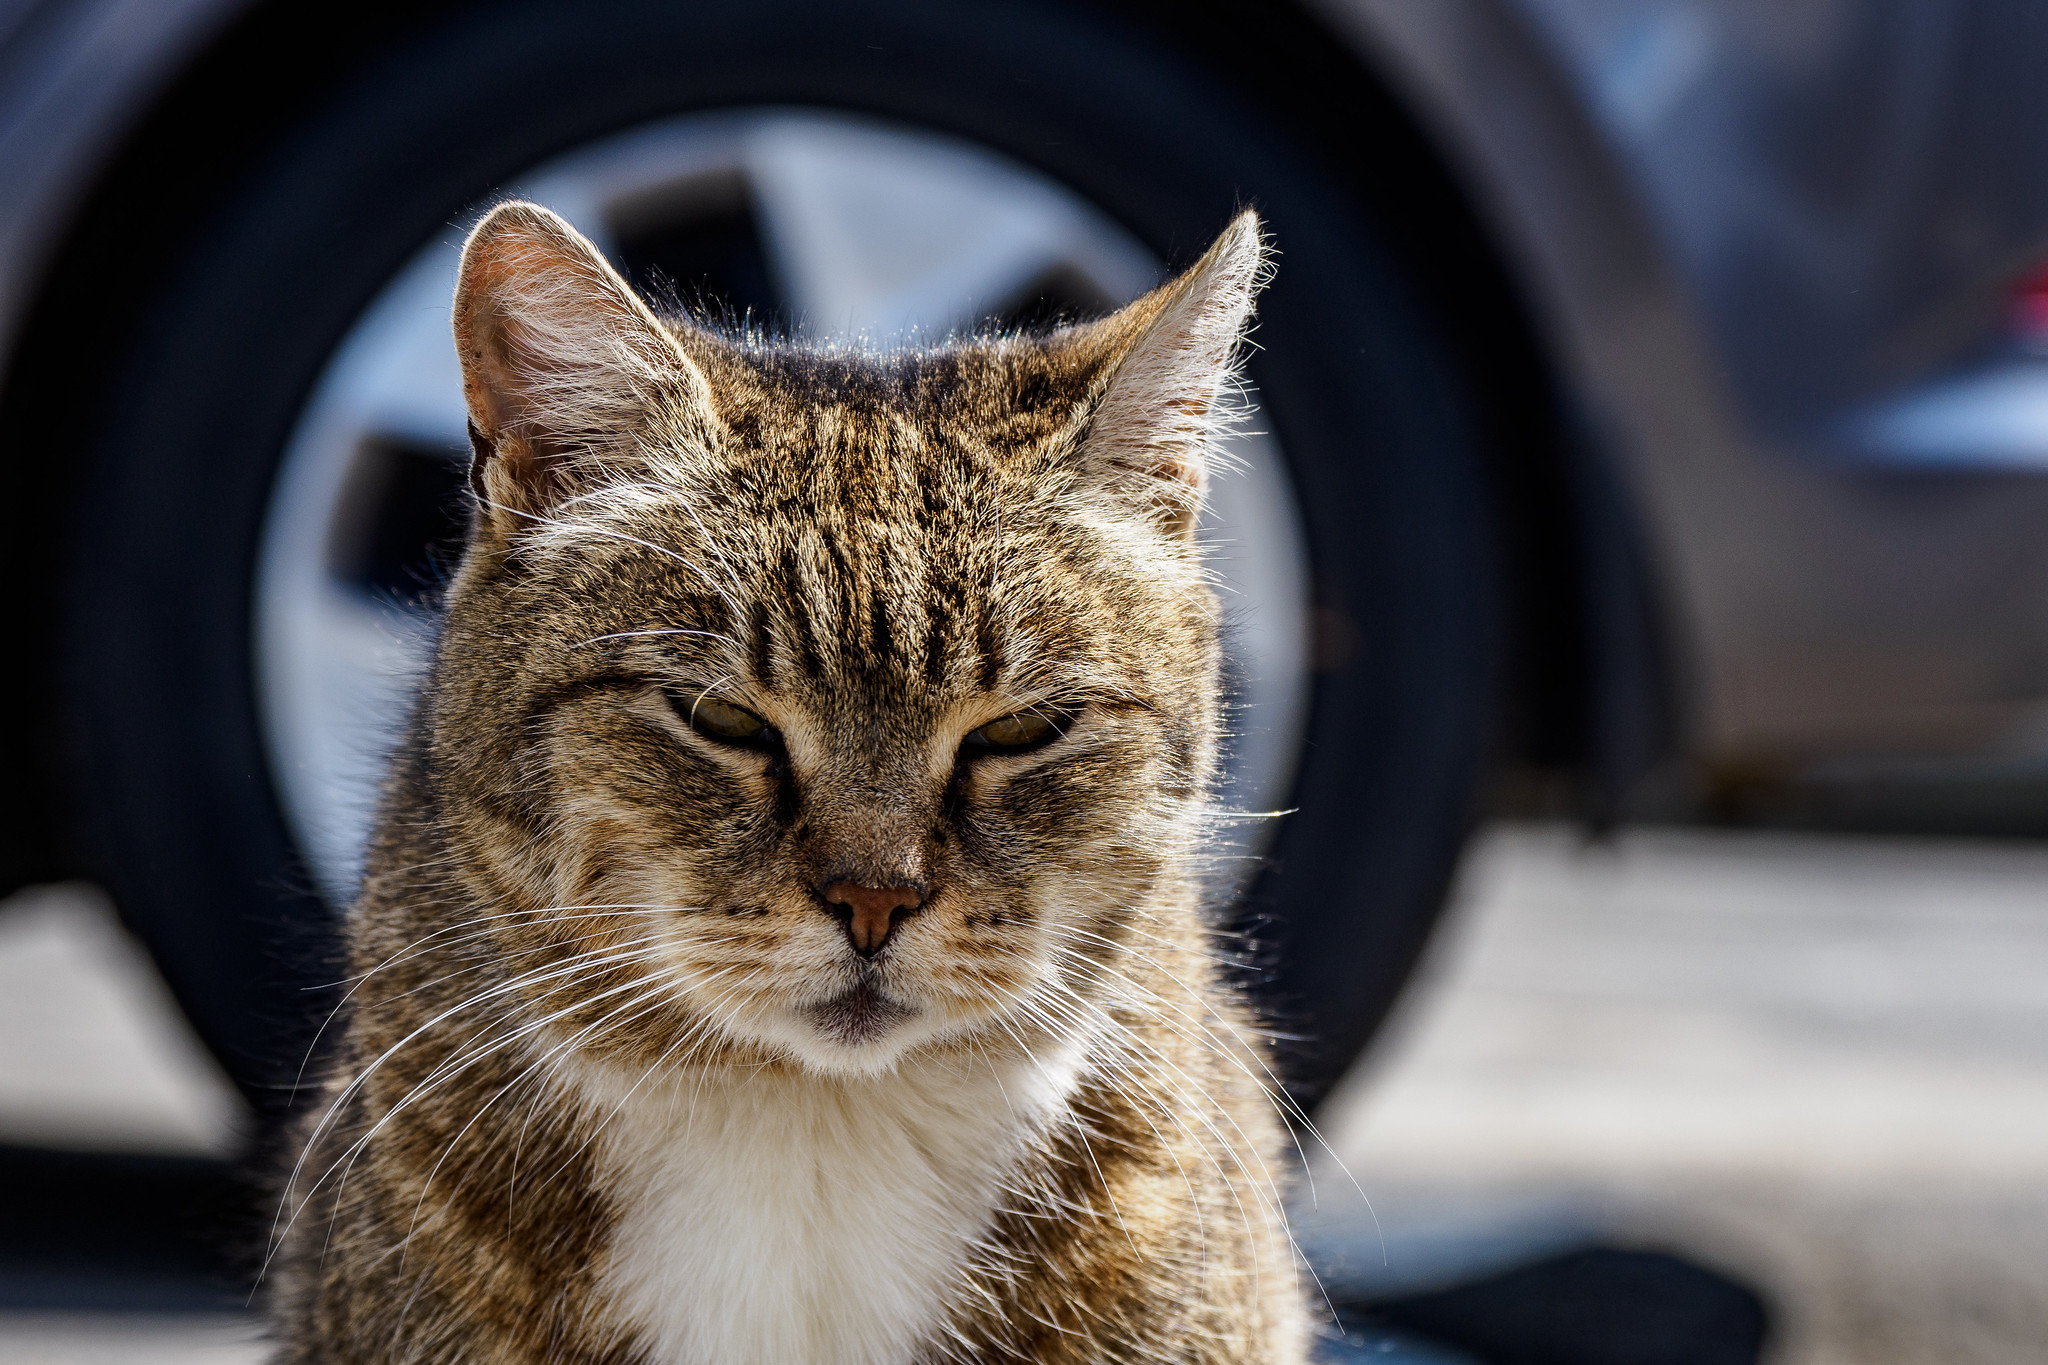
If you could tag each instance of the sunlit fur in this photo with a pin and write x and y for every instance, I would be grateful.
(614, 1085)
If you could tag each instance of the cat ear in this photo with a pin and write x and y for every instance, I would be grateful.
(1171, 357)
(562, 364)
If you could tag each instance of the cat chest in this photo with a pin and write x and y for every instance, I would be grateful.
(787, 1223)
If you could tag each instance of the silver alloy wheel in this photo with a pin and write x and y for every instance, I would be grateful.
(870, 232)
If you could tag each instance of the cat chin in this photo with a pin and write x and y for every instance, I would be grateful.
(857, 1034)
(860, 1016)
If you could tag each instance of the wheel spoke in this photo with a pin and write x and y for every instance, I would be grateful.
(345, 667)
(879, 234)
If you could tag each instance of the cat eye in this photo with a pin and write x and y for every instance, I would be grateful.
(1017, 733)
(724, 722)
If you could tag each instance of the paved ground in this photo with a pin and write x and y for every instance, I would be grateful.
(1821, 1064)
(77, 1339)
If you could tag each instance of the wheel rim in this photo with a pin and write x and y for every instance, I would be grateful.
(835, 226)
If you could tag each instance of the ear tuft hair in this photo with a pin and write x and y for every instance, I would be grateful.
(1172, 357)
(562, 363)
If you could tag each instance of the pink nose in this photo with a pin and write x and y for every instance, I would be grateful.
(871, 913)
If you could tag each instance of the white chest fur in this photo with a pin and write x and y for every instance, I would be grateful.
(806, 1220)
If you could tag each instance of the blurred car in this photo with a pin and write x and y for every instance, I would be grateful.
(1651, 404)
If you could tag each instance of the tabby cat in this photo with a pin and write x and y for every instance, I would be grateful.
(780, 941)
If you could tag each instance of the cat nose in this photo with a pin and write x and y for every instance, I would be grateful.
(870, 913)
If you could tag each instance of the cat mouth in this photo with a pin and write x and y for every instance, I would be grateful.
(861, 1015)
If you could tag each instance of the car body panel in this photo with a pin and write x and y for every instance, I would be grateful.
(1655, 169)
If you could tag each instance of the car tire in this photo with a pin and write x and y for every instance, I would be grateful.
(158, 697)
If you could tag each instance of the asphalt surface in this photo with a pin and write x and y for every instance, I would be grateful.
(1819, 1064)
(1816, 1065)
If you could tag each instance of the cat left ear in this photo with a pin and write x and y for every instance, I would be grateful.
(562, 365)
(1171, 357)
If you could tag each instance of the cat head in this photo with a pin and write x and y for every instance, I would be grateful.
(808, 707)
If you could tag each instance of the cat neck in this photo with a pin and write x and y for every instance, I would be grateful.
(774, 1214)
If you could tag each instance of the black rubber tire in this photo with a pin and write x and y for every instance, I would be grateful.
(1367, 401)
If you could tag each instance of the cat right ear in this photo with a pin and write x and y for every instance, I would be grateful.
(1167, 362)
(562, 366)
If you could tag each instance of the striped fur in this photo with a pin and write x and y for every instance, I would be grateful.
(614, 1086)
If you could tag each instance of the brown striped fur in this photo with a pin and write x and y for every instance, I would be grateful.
(591, 946)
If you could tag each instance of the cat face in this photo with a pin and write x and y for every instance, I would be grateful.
(807, 708)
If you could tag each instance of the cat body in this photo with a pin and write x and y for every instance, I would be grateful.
(781, 941)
